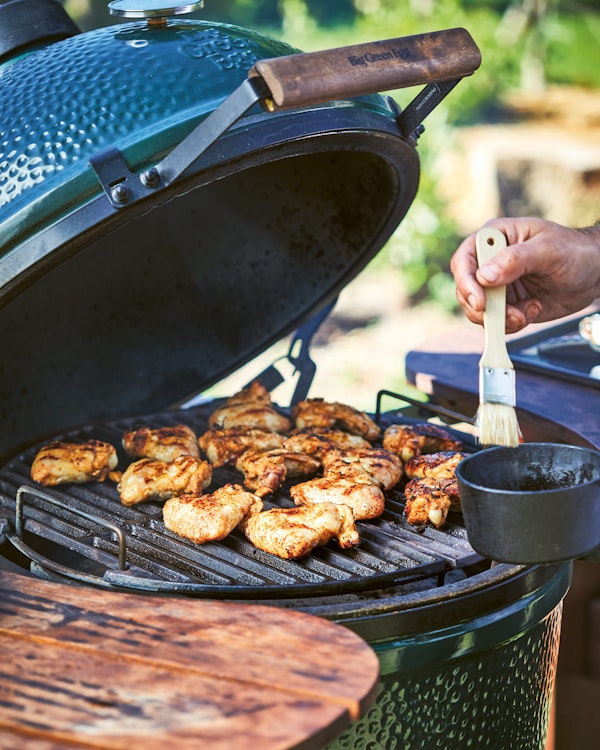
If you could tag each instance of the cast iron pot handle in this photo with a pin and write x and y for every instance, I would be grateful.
(316, 77)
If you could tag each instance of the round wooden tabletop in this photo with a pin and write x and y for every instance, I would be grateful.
(88, 668)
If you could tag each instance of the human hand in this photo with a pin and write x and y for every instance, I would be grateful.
(549, 271)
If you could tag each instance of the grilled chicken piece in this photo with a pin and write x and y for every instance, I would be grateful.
(162, 443)
(432, 490)
(148, 479)
(429, 499)
(357, 491)
(250, 407)
(408, 440)
(225, 446)
(355, 478)
(294, 532)
(250, 415)
(73, 463)
(318, 442)
(440, 465)
(255, 392)
(206, 518)
(265, 471)
(315, 413)
(383, 467)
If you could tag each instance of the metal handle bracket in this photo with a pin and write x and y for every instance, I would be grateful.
(298, 357)
(123, 187)
(411, 118)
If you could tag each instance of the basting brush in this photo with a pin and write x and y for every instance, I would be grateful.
(496, 418)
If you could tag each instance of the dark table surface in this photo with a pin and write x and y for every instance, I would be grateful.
(549, 409)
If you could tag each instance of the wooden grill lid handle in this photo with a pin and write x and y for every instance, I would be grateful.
(316, 77)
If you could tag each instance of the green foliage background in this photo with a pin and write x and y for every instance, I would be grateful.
(524, 43)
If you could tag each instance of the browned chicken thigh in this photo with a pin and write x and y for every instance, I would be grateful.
(149, 479)
(357, 491)
(354, 477)
(76, 463)
(429, 500)
(204, 518)
(440, 465)
(383, 467)
(315, 413)
(255, 392)
(318, 442)
(294, 532)
(162, 443)
(225, 446)
(432, 490)
(265, 471)
(250, 407)
(408, 440)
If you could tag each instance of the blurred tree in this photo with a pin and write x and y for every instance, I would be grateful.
(525, 22)
(88, 14)
(334, 12)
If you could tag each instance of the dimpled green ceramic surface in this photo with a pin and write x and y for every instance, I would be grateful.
(132, 86)
(485, 684)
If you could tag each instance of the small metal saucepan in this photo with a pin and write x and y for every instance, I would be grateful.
(537, 503)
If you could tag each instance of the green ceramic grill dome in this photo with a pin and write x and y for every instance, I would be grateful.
(135, 87)
(161, 298)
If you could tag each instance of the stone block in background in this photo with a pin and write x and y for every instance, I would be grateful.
(544, 161)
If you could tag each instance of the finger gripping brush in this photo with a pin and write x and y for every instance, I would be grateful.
(496, 418)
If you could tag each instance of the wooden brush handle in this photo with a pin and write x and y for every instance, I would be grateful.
(315, 77)
(490, 241)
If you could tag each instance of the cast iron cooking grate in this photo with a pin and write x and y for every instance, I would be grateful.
(84, 532)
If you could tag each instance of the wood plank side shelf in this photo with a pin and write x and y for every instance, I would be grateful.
(84, 668)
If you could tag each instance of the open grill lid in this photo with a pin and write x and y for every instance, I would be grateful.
(160, 226)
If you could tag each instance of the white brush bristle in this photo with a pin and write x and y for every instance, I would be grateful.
(497, 425)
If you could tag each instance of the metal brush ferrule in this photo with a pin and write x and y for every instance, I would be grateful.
(497, 386)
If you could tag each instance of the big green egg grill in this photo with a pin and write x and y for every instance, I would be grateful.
(175, 196)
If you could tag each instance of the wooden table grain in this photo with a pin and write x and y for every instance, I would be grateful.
(88, 668)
